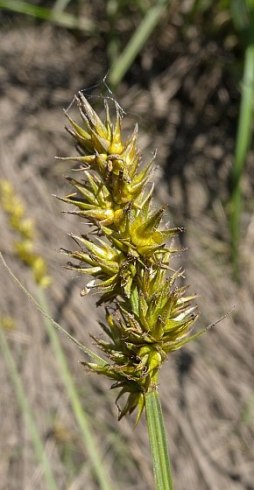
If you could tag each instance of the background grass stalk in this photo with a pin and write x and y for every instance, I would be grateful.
(158, 441)
(80, 415)
(243, 139)
(59, 328)
(60, 5)
(136, 43)
(27, 413)
(61, 18)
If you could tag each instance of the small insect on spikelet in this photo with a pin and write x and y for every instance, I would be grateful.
(147, 314)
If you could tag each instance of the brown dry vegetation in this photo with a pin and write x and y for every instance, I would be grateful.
(181, 92)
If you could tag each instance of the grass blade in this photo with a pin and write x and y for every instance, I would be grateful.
(78, 411)
(82, 420)
(60, 5)
(27, 412)
(243, 139)
(92, 355)
(126, 58)
(62, 19)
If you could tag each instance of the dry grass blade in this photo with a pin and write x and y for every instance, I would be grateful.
(87, 435)
(85, 350)
(27, 412)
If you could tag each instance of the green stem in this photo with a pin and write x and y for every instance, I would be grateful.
(243, 139)
(158, 442)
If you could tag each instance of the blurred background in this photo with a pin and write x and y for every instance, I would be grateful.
(185, 72)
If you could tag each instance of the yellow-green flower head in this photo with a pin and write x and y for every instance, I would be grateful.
(127, 254)
(141, 233)
(103, 150)
(160, 322)
(96, 136)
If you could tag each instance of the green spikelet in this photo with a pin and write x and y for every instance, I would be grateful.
(148, 314)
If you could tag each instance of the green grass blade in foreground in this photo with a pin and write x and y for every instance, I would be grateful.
(158, 442)
(27, 412)
(139, 38)
(82, 420)
(243, 139)
(62, 19)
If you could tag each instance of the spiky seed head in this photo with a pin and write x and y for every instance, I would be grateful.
(148, 314)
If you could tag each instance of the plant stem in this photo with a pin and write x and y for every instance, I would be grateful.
(158, 442)
(243, 139)
(242, 146)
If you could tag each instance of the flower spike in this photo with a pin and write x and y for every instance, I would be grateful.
(148, 314)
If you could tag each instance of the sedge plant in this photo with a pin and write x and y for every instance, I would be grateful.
(127, 252)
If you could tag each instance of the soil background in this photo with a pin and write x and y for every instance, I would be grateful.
(184, 92)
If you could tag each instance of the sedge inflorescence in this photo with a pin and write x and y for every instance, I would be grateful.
(24, 228)
(148, 314)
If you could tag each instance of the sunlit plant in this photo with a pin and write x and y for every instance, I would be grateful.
(127, 252)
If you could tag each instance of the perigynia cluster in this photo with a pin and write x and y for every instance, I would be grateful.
(127, 254)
